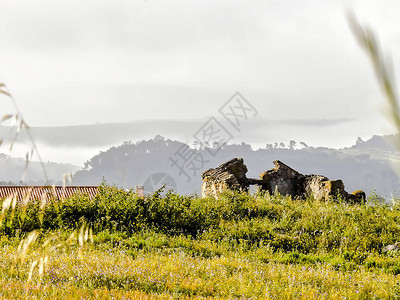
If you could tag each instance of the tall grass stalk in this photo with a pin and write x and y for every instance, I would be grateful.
(29, 245)
(20, 124)
(382, 66)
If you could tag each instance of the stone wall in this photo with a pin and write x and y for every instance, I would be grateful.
(281, 179)
(228, 176)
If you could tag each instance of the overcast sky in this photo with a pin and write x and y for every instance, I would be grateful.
(86, 62)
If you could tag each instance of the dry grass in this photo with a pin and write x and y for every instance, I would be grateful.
(90, 273)
(18, 124)
(49, 267)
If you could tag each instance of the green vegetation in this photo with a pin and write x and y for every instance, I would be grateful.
(171, 247)
(181, 247)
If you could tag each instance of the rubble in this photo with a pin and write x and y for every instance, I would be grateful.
(228, 176)
(282, 179)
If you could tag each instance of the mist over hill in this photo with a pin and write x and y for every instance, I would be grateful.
(76, 144)
(17, 171)
(366, 165)
(158, 161)
(252, 131)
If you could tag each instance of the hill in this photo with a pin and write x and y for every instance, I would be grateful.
(154, 162)
(12, 171)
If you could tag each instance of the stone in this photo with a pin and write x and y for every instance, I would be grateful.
(228, 176)
(391, 248)
(357, 197)
(287, 181)
(321, 188)
(282, 180)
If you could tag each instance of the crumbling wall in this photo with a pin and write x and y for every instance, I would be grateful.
(321, 188)
(228, 176)
(281, 179)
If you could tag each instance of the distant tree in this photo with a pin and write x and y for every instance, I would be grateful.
(159, 138)
(8, 183)
(245, 147)
(292, 144)
(198, 145)
(304, 145)
(282, 145)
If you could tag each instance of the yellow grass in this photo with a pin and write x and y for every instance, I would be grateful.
(90, 273)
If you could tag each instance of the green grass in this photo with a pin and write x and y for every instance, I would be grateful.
(183, 247)
(174, 273)
(172, 247)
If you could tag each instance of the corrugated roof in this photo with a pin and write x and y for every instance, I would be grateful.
(50, 192)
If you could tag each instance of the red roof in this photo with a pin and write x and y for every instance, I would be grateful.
(50, 192)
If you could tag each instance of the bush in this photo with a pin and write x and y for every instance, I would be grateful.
(280, 222)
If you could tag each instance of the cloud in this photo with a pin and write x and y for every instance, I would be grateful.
(79, 62)
(315, 122)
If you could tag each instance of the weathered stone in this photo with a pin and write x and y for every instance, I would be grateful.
(391, 248)
(288, 181)
(357, 197)
(282, 179)
(321, 188)
(228, 176)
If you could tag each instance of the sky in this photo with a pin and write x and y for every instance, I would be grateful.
(88, 62)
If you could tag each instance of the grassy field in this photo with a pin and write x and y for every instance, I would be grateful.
(119, 246)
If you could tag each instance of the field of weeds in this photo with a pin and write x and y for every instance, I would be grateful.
(120, 246)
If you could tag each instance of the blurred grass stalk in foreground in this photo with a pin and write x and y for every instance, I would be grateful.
(19, 124)
(382, 66)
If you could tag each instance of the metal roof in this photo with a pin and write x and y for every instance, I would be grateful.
(49, 192)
